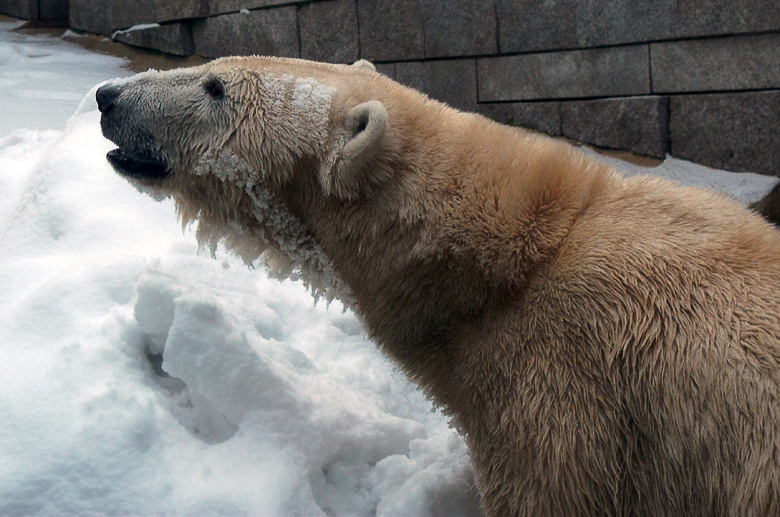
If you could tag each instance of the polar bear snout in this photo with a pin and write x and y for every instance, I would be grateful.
(136, 155)
(106, 96)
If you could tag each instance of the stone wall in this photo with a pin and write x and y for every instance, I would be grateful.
(36, 9)
(699, 79)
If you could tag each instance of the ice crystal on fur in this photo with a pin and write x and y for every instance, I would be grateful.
(277, 239)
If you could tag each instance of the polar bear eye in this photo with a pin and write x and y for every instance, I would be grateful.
(214, 88)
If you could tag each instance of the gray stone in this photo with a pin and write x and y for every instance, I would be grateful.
(540, 116)
(459, 28)
(569, 74)
(25, 9)
(544, 117)
(271, 32)
(636, 124)
(107, 16)
(634, 21)
(624, 21)
(233, 6)
(53, 9)
(329, 31)
(717, 17)
(733, 63)
(387, 69)
(174, 38)
(734, 131)
(391, 30)
(536, 24)
(449, 81)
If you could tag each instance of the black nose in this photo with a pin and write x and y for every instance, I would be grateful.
(105, 97)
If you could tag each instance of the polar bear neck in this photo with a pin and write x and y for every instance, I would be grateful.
(258, 227)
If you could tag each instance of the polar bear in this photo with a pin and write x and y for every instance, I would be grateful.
(608, 346)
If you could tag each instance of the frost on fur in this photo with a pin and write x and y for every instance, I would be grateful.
(277, 239)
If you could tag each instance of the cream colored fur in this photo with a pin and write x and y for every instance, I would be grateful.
(608, 346)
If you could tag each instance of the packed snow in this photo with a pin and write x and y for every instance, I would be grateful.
(138, 376)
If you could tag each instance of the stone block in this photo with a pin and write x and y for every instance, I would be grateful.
(540, 116)
(459, 28)
(329, 31)
(25, 9)
(720, 17)
(53, 9)
(732, 63)
(107, 16)
(450, 81)
(568, 74)
(634, 21)
(636, 124)
(387, 69)
(624, 21)
(233, 6)
(391, 30)
(536, 24)
(270, 32)
(733, 131)
(174, 38)
(544, 117)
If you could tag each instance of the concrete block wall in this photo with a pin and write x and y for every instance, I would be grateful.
(699, 79)
(36, 9)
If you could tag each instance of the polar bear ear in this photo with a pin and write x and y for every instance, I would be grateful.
(359, 140)
(364, 63)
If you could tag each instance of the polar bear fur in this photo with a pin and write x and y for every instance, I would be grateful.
(606, 345)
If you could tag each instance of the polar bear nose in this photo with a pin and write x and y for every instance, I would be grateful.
(105, 97)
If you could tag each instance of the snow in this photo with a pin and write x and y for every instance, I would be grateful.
(141, 377)
(46, 74)
(135, 28)
(746, 187)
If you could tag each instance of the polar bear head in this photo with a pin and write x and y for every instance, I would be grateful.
(275, 114)
(246, 145)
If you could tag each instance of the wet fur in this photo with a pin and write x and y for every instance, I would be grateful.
(607, 345)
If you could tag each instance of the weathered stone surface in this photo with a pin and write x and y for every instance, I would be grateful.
(386, 68)
(536, 24)
(733, 63)
(459, 28)
(271, 32)
(734, 131)
(624, 21)
(53, 9)
(233, 6)
(636, 124)
(391, 30)
(174, 38)
(633, 21)
(540, 116)
(569, 74)
(107, 16)
(329, 31)
(714, 17)
(25, 9)
(544, 117)
(450, 81)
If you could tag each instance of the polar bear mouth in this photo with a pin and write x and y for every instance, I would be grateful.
(137, 166)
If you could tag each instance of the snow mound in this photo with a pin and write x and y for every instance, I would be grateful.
(140, 377)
